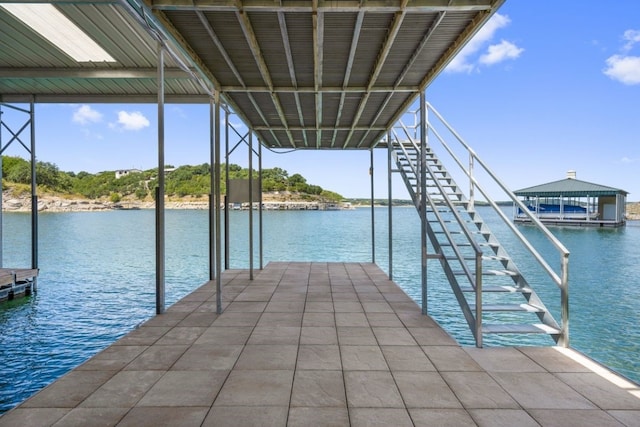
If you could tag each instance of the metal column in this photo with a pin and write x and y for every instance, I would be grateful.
(215, 170)
(250, 205)
(34, 194)
(160, 223)
(389, 202)
(226, 174)
(423, 198)
(260, 206)
(213, 177)
(373, 219)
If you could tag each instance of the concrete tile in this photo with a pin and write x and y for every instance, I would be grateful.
(319, 297)
(183, 306)
(144, 335)
(381, 417)
(628, 418)
(540, 391)
(207, 357)
(478, 390)
(389, 320)
(124, 390)
(553, 359)
(601, 391)
(318, 307)
(319, 357)
(371, 389)
(275, 335)
(502, 418)
(254, 295)
(318, 388)
(319, 335)
(319, 319)
(280, 319)
(92, 417)
(166, 319)
(246, 306)
(121, 352)
(256, 388)
(164, 417)
(354, 335)
(185, 388)
(362, 358)
(503, 359)
(339, 295)
(450, 358)
(266, 356)
(181, 335)
(425, 390)
(158, 357)
(351, 319)
(393, 336)
(247, 416)
(406, 358)
(442, 418)
(285, 306)
(227, 335)
(32, 417)
(320, 417)
(432, 336)
(204, 319)
(237, 319)
(377, 307)
(582, 417)
(69, 391)
(351, 306)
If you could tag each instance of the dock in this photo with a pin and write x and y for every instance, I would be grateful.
(322, 344)
(16, 282)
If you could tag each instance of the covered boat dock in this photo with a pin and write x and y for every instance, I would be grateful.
(573, 202)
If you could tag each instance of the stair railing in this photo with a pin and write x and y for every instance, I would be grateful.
(475, 278)
(562, 279)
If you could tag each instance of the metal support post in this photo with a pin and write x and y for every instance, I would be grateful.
(389, 202)
(423, 199)
(1, 189)
(260, 237)
(34, 192)
(226, 178)
(213, 178)
(216, 170)
(250, 205)
(160, 223)
(373, 219)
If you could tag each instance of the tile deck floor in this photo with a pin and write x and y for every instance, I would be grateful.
(317, 344)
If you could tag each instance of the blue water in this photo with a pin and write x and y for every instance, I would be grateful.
(97, 279)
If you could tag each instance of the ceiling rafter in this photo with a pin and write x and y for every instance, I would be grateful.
(380, 61)
(347, 72)
(318, 50)
(284, 32)
(91, 73)
(252, 40)
(436, 23)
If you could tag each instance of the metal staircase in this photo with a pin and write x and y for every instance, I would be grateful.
(492, 292)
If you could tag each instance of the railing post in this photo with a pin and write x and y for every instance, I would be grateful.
(564, 300)
(471, 185)
(479, 299)
(423, 197)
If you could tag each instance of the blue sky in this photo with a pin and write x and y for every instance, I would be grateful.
(544, 88)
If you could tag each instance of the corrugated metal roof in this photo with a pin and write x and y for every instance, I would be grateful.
(311, 74)
(569, 187)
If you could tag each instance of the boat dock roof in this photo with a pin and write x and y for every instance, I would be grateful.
(327, 344)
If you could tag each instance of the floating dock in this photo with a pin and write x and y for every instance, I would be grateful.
(322, 344)
(16, 282)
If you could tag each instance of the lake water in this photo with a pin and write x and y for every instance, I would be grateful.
(97, 280)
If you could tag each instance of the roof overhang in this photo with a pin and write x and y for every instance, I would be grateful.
(303, 74)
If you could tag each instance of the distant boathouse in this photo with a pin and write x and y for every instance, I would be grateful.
(573, 202)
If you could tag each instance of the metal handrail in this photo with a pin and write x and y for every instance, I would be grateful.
(561, 280)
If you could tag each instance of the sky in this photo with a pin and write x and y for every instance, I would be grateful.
(545, 87)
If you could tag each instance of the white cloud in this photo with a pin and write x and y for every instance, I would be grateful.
(500, 52)
(632, 37)
(85, 115)
(625, 69)
(131, 121)
(628, 160)
(465, 60)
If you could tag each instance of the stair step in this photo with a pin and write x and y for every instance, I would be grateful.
(509, 308)
(484, 258)
(505, 288)
(491, 273)
(538, 328)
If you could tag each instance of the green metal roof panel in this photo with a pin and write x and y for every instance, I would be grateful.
(570, 187)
